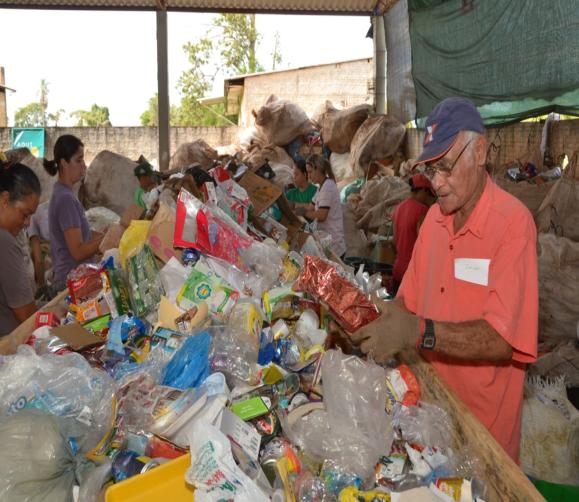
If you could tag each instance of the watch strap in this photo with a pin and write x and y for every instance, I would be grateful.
(428, 336)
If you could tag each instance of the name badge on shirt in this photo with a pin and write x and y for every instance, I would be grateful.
(475, 270)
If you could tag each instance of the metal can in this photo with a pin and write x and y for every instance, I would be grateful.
(190, 256)
(127, 463)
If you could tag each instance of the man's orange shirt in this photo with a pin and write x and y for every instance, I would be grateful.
(488, 270)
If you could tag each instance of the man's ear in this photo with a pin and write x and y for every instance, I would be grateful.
(481, 150)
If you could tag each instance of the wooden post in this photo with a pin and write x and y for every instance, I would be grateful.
(163, 89)
(3, 114)
(379, 64)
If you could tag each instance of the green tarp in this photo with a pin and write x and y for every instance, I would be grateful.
(513, 58)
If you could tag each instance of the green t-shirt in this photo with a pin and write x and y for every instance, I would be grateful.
(305, 197)
(139, 192)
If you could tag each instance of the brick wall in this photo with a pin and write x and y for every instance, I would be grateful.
(129, 141)
(344, 84)
(516, 141)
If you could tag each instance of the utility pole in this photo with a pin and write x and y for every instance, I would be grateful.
(3, 114)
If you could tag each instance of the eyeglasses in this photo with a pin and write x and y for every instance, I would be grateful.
(440, 167)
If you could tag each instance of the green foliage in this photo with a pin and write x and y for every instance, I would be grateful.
(229, 47)
(55, 117)
(238, 43)
(97, 116)
(31, 115)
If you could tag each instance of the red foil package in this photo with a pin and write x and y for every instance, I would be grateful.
(347, 303)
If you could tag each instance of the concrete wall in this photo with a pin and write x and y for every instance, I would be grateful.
(345, 84)
(129, 141)
(516, 141)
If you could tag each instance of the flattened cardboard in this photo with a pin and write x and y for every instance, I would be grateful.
(133, 212)
(112, 238)
(263, 193)
(161, 234)
(76, 337)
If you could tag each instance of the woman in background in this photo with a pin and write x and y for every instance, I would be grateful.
(304, 191)
(326, 207)
(19, 196)
(71, 240)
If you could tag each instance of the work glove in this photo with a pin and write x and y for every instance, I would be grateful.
(395, 330)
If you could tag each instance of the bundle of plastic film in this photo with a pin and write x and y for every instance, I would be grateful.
(145, 288)
(370, 284)
(209, 230)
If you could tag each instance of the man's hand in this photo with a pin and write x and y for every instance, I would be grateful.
(300, 211)
(395, 330)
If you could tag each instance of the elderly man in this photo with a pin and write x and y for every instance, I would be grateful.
(469, 299)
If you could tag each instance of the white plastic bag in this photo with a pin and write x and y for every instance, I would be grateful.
(39, 458)
(213, 471)
(63, 385)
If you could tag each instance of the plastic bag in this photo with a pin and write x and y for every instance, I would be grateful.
(213, 471)
(354, 430)
(63, 385)
(189, 367)
(354, 395)
(203, 285)
(133, 239)
(92, 484)
(209, 230)
(145, 286)
(425, 425)
(236, 348)
(39, 458)
(173, 275)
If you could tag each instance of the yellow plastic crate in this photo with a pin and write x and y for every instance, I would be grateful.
(166, 482)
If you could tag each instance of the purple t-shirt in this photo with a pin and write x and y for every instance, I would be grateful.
(65, 211)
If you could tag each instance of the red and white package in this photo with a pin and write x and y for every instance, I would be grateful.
(209, 230)
(401, 387)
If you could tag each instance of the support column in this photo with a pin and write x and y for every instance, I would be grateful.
(3, 114)
(163, 90)
(379, 64)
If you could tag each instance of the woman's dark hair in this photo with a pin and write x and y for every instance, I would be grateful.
(320, 163)
(300, 163)
(18, 180)
(64, 148)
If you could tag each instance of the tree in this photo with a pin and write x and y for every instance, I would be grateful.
(276, 53)
(150, 117)
(54, 117)
(34, 114)
(97, 116)
(230, 47)
(238, 43)
(44, 100)
(31, 115)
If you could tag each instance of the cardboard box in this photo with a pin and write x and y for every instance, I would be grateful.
(76, 337)
(263, 193)
(112, 238)
(161, 234)
(133, 212)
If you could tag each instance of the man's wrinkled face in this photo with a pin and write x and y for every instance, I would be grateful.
(456, 177)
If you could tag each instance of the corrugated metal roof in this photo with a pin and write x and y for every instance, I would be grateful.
(295, 6)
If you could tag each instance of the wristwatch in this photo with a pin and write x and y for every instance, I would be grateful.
(428, 337)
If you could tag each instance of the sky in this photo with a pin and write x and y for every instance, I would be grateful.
(109, 58)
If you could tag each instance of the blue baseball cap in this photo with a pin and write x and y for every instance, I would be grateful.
(445, 121)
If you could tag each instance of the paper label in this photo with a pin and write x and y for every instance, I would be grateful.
(241, 433)
(474, 270)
